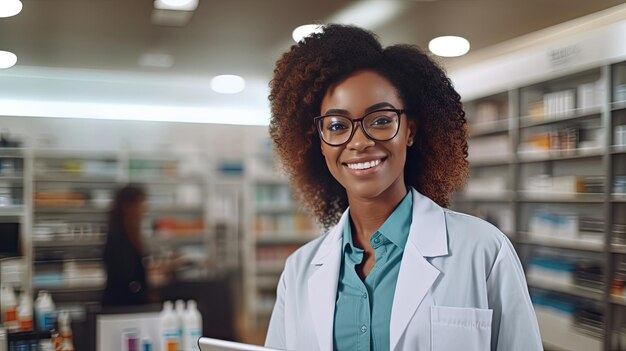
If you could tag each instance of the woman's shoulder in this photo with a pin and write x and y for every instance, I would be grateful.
(467, 231)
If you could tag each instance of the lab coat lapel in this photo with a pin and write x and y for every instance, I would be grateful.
(322, 285)
(427, 238)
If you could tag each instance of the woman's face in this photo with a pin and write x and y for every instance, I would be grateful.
(354, 97)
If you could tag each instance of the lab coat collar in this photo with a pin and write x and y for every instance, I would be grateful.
(427, 238)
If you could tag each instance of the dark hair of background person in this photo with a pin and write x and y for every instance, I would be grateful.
(123, 254)
(436, 164)
(128, 195)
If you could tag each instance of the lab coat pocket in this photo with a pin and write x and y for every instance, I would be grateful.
(456, 328)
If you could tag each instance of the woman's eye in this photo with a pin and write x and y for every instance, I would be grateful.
(381, 122)
(335, 127)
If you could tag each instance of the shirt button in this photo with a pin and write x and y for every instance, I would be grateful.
(376, 240)
(365, 296)
(363, 329)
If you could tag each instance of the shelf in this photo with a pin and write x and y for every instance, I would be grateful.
(559, 156)
(573, 244)
(70, 178)
(618, 197)
(497, 127)
(618, 105)
(617, 248)
(284, 240)
(77, 210)
(161, 241)
(558, 332)
(70, 289)
(11, 152)
(527, 122)
(11, 211)
(11, 179)
(570, 289)
(618, 149)
(162, 209)
(507, 196)
(525, 196)
(270, 267)
(275, 209)
(618, 300)
(500, 161)
(77, 243)
(174, 180)
(271, 180)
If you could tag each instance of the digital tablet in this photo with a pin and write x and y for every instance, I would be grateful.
(208, 344)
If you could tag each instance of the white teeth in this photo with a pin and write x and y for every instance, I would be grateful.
(363, 165)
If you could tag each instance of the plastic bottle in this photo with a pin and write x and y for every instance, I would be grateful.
(44, 311)
(169, 328)
(192, 327)
(9, 309)
(25, 313)
(179, 308)
(146, 343)
(65, 330)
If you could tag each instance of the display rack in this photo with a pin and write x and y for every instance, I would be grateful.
(556, 189)
(276, 227)
(61, 198)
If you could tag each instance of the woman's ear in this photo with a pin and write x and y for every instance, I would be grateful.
(412, 132)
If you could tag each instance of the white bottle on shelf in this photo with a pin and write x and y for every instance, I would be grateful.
(169, 328)
(44, 311)
(65, 328)
(25, 313)
(9, 308)
(192, 327)
(179, 307)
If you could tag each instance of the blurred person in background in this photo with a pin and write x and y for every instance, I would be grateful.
(123, 253)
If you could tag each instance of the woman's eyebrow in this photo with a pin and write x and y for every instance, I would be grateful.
(378, 106)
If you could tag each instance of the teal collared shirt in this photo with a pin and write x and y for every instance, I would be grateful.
(363, 308)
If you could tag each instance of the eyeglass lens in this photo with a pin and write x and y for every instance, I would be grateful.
(378, 125)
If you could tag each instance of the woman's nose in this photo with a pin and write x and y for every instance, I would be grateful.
(359, 140)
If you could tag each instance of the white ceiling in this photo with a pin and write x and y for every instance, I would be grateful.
(88, 50)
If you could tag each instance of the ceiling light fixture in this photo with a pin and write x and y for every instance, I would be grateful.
(449, 46)
(176, 5)
(7, 59)
(228, 84)
(369, 14)
(305, 30)
(10, 8)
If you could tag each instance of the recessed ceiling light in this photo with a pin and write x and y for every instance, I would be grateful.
(228, 84)
(176, 5)
(10, 8)
(449, 46)
(305, 30)
(369, 14)
(7, 59)
(156, 60)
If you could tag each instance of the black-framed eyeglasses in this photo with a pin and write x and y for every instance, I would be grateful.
(378, 125)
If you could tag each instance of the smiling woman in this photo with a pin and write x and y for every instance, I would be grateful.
(374, 140)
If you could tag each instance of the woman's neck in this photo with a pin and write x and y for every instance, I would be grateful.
(369, 214)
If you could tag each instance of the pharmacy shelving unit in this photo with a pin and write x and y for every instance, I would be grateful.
(276, 227)
(189, 233)
(72, 190)
(556, 188)
(15, 190)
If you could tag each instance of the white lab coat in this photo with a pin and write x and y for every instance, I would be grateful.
(460, 287)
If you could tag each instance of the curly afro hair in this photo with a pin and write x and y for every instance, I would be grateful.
(436, 164)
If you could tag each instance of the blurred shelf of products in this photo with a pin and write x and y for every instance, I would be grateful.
(277, 227)
(548, 167)
(54, 207)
